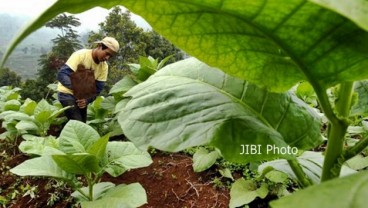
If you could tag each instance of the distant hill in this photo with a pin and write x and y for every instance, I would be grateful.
(24, 60)
(10, 26)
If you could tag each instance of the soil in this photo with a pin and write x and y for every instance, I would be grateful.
(169, 182)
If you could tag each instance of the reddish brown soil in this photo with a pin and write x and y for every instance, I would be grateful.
(171, 182)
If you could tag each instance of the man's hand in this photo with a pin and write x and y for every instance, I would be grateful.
(82, 103)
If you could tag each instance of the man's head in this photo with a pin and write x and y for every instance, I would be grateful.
(107, 48)
(111, 43)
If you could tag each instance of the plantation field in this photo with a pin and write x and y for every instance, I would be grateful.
(269, 110)
(169, 182)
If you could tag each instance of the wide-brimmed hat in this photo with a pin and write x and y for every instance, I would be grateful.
(111, 43)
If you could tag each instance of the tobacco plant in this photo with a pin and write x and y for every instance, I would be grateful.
(32, 117)
(80, 154)
(273, 44)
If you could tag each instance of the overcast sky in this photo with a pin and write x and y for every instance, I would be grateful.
(32, 8)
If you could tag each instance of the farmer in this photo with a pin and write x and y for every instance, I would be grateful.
(90, 59)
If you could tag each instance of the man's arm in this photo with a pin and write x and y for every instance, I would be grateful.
(63, 76)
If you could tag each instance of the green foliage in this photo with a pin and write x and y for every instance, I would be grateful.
(147, 66)
(81, 152)
(121, 87)
(101, 116)
(34, 145)
(9, 98)
(32, 117)
(67, 42)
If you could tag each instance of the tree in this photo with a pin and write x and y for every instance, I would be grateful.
(134, 42)
(159, 47)
(25, 50)
(63, 46)
(67, 42)
(9, 78)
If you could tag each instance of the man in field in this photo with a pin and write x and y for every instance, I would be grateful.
(79, 89)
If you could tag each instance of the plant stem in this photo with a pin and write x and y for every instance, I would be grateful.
(325, 104)
(337, 131)
(343, 103)
(90, 185)
(303, 179)
(356, 149)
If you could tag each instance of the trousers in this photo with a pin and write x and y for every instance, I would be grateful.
(74, 113)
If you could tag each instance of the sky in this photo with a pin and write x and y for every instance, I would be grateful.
(32, 8)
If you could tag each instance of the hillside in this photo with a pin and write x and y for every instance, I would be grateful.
(24, 60)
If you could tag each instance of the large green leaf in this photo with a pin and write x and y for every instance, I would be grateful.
(79, 163)
(98, 148)
(43, 117)
(272, 43)
(44, 106)
(189, 104)
(346, 192)
(39, 145)
(123, 156)
(77, 137)
(121, 196)
(28, 107)
(123, 85)
(41, 166)
(12, 105)
(108, 103)
(26, 126)
(14, 115)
